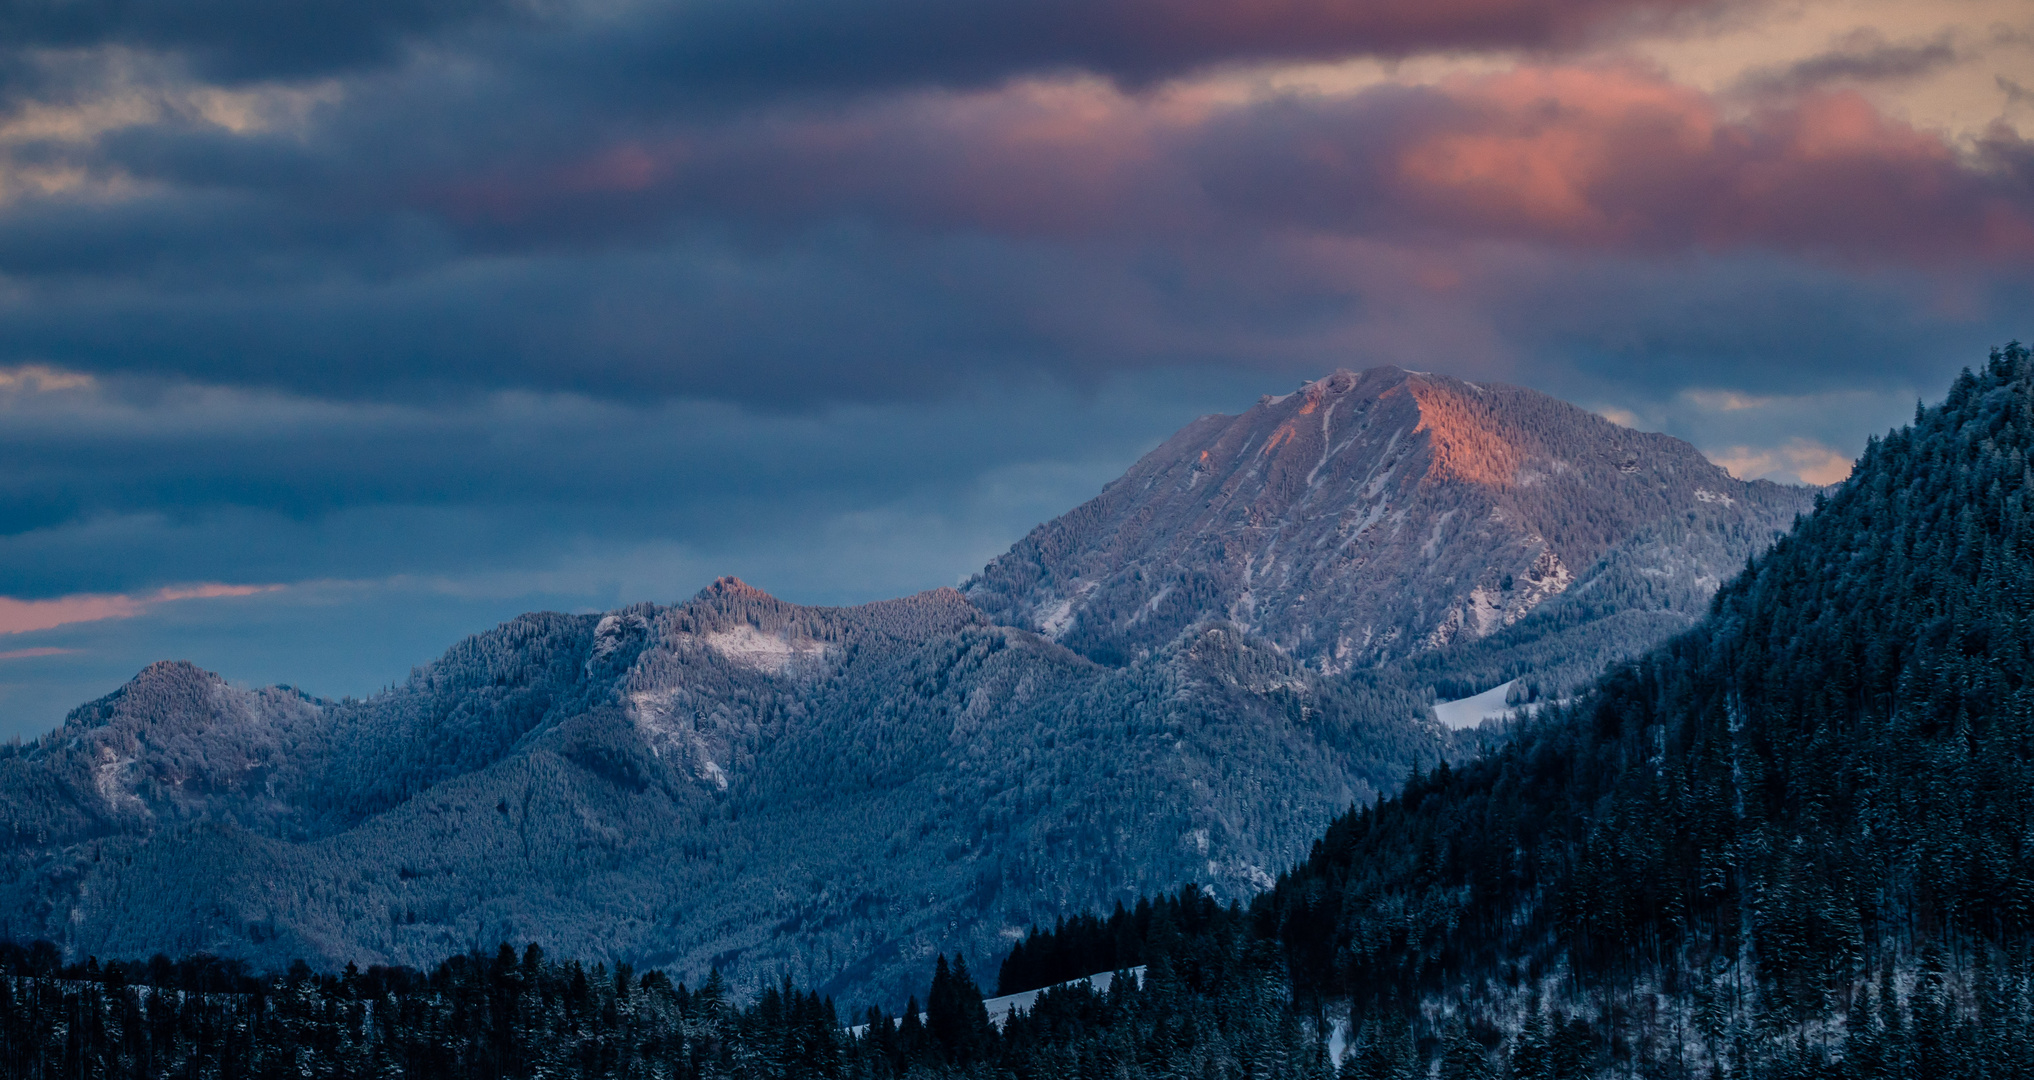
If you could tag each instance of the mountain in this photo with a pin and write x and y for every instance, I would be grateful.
(1793, 842)
(733, 781)
(840, 794)
(1790, 843)
(1371, 517)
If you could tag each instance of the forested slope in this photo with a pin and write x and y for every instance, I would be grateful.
(1800, 832)
(835, 793)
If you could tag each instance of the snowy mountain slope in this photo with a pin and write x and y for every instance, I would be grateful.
(1250, 627)
(1374, 516)
(734, 781)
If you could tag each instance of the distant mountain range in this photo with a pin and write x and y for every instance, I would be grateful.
(1181, 681)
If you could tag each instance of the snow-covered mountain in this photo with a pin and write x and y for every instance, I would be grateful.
(735, 781)
(1369, 517)
(1181, 681)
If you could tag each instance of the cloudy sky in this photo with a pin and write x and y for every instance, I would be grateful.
(332, 331)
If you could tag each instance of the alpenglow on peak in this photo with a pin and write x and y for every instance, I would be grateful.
(1370, 516)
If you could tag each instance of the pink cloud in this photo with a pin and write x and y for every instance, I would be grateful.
(1602, 158)
(1614, 158)
(23, 616)
(30, 654)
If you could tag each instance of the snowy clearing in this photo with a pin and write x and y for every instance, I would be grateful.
(1470, 711)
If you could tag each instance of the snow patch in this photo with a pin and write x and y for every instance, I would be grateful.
(769, 653)
(1707, 496)
(1145, 610)
(1056, 619)
(668, 727)
(1000, 1008)
(1433, 545)
(109, 778)
(1470, 711)
(1328, 448)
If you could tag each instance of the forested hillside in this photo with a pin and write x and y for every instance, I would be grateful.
(1815, 804)
(1793, 842)
(1799, 833)
(1208, 1009)
(838, 794)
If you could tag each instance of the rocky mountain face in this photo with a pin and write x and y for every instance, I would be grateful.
(1181, 681)
(1370, 517)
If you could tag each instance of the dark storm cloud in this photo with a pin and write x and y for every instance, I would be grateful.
(747, 49)
(1640, 330)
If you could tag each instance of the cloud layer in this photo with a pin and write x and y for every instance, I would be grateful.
(469, 298)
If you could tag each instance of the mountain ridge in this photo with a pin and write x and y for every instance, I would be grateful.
(743, 783)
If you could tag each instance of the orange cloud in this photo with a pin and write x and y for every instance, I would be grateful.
(23, 616)
(30, 654)
(1605, 157)
(1802, 460)
(42, 379)
(1618, 157)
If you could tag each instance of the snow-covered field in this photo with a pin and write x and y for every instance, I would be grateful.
(1470, 711)
(1000, 1008)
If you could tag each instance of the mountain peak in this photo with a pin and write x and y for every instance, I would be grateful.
(1475, 502)
(166, 687)
(176, 671)
(1474, 432)
(731, 586)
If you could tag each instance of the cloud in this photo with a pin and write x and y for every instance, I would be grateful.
(906, 245)
(1727, 400)
(1863, 56)
(42, 379)
(1612, 158)
(730, 45)
(37, 653)
(22, 616)
(1798, 461)
(2016, 94)
(237, 40)
(1619, 159)
(708, 50)
(137, 486)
